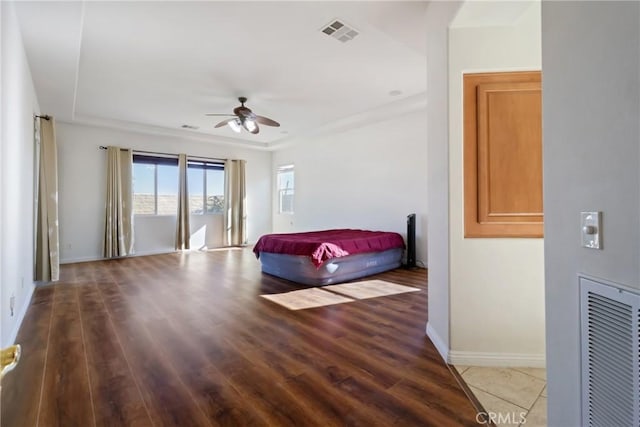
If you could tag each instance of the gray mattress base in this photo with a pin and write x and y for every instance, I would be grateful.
(300, 269)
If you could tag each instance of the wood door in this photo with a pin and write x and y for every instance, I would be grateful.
(503, 155)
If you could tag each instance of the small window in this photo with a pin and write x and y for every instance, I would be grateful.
(285, 184)
(155, 185)
(206, 187)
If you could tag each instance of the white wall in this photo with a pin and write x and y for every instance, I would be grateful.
(82, 190)
(370, 177)
(19, 104)
(497, 285)
(591, 106)
(439, 14)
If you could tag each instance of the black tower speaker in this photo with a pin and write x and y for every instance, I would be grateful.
(411, 241)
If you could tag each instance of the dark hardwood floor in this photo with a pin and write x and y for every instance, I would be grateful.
(185, 340)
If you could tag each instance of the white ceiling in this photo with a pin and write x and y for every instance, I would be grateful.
(482, 13)
(158, 65)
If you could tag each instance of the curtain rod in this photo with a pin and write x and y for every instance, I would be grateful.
(46, 117)
(102, 147)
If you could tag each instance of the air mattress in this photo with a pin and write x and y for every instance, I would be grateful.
(301, 269)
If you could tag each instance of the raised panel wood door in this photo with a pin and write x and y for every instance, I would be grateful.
(503, 154)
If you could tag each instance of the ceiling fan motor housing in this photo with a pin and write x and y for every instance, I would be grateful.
(242, 111)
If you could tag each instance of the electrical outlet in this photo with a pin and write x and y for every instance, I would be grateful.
(12, 303)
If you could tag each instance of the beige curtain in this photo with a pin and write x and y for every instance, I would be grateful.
(118, 230)
(47, 243)
(183, 234)
(235, 200)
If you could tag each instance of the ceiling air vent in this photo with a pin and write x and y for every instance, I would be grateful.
(339, 30)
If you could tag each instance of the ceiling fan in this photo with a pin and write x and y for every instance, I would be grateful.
(243, 117)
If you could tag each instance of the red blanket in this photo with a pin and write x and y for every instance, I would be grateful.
(324, 245)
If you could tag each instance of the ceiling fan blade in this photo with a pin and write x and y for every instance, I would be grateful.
(224, 122)
(228, 115)
(266, 121)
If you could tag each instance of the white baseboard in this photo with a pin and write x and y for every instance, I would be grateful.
(136, 254)
(157, 252)
(515, 360)
(438, 342)
(20, 317)
(94, 258)
(79, 259)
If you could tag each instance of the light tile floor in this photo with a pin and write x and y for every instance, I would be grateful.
(512, 396)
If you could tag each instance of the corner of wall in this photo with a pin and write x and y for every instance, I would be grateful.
(17, 166)
(438, 342)
(438, 17)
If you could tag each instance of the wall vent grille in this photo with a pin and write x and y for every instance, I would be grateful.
(340, 31)
(610, 319)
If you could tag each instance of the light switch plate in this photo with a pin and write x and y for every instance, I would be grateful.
(591, 229)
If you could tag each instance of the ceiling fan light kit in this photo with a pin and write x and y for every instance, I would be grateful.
(245, 118)
(250, 125)
(235, 125)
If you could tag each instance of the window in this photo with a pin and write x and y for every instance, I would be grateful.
(285, 189)
(206, 187)
(155, 185)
